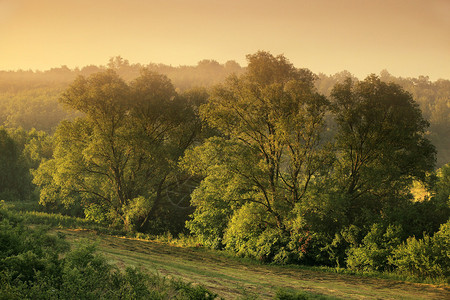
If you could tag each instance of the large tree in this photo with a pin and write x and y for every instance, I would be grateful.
(14, 177)
(121, 156)
(282, 183)
(381, 145)
(271, 120)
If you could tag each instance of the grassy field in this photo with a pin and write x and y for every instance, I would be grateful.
(237, 279)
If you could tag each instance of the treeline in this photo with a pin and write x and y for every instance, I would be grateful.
(205, 73)
(29, 99)
(263, 164)
(433, 99)
(21, 152)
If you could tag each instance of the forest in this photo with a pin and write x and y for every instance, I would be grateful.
(269, 161)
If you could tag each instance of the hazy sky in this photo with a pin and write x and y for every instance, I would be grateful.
(406, 37)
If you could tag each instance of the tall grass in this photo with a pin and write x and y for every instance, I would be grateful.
(31, 213)
(288, 294)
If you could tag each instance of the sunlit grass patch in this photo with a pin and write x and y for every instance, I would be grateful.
(241, 278)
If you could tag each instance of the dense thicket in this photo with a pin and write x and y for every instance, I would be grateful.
(12, 170)
(21, 152)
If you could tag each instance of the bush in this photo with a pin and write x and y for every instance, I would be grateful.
(374, 253)
(212, 213)
(248, 234)
(427, 257)
(243, 230)
(32, 267)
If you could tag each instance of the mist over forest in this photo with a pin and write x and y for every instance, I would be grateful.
(29, 99)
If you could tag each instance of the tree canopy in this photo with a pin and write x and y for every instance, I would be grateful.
(121, 156)
(380, 141)
(290, 173)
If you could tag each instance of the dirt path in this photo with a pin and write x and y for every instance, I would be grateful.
(232, 279)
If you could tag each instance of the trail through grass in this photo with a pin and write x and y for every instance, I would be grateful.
(231, 278)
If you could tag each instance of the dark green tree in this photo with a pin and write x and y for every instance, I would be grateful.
(381, 146)
(15, 183)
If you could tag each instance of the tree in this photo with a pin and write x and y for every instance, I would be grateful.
(119, 158)
(15, 181)
(380, 146)
(271, 120)
(282, 184)
(35, 146)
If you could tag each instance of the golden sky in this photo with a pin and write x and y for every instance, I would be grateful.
(407, 37)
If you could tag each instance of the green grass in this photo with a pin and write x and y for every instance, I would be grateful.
(31, 213)
(374, 274)
(288, 294)
(234, 278)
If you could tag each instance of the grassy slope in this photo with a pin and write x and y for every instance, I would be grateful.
(232, 278)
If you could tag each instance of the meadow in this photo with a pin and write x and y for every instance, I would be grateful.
(233, 278)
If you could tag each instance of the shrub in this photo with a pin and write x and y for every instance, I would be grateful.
(32, 267)
(249, 234)
(243, 230)
(429, 256)
(377, 245)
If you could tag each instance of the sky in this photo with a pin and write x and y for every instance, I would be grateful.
(406, 37)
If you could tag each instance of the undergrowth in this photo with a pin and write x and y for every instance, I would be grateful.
(27, 211)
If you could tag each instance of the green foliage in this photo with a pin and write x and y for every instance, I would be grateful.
(442, 187)
(221, 192)
(426, 257)
(427, 214)
(32, 266)
(288, 177)
(31, 213)
(299, 295)
(280, 184)
(30, 99)
(15, 182)
(211, 214)
(420, 216)
(21, 152)
(35, 146)
(244, 230)
(375, 250)
(119, 161)
(33, 107)
(432, 98)
(380, 146)
(271, 120)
